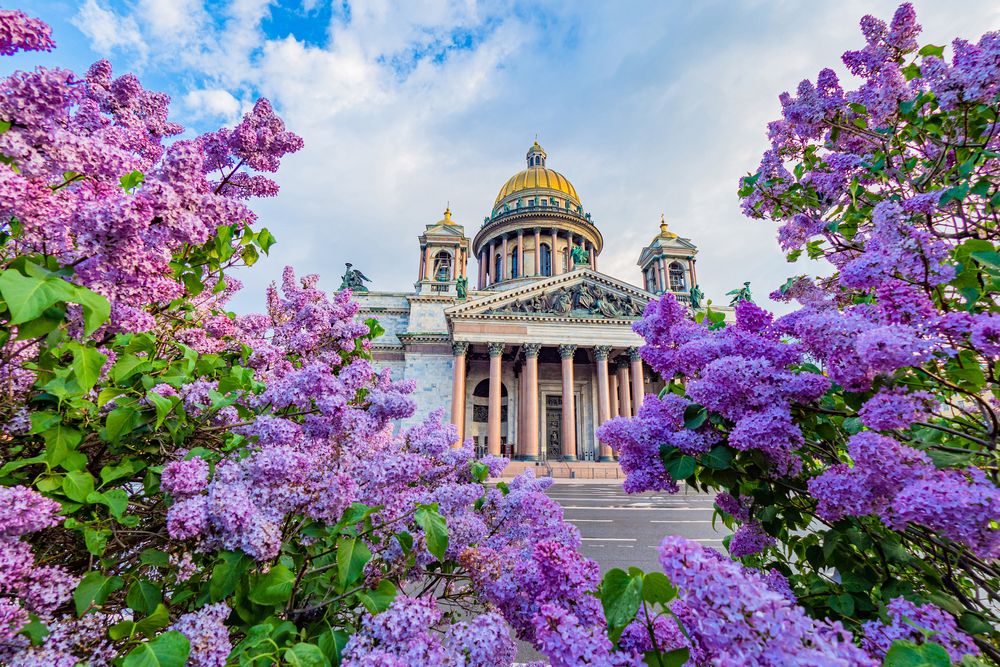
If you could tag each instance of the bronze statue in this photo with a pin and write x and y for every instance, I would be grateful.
(561, 302)
(462, 286)
(580, 256)
(582, 298)
(741, 294)
(354, 280)
(696, 296)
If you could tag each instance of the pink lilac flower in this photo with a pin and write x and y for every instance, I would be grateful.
(910, 622)
(24, 510)
(70, 642)
(209, 636)
(185, 478)
(19, 32)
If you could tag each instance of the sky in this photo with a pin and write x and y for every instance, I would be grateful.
(407, 106)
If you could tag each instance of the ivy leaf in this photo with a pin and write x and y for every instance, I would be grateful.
(171, 649)
(352, 555)
(435, 529)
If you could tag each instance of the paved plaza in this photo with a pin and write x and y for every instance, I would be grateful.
(623, 530)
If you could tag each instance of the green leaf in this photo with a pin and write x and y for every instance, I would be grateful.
(480, 471)
(306, 655)
(378, 600)
(96, 541)
(249, 255)
(903, 653)
(274, 587)
(96, 309)
(77, 485)
(656, 588)
(991, 259)
(694, 416)
(931, 50)
(265, 239)
(132, 180)
(127, 366)
(115, 500)
(719, 457)
(156, 558)
(94, 589)
(171, 649)
(681, 467)
(352, 555)
(620, 595)
(143, 596)
(120, 421)
(60, 442)
(435, 529)
(843, 604)
(163, 405)
(226, 574)
(159, 618)
(674, 658)
(28, 297)
(87, 364)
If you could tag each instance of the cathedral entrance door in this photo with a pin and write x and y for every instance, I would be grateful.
(553, 427)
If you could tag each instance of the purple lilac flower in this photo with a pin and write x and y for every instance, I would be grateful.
(24, 510)
(986, 334)
(209, 636)
(733, 618)
(185, 478)
(908, 621)
(894, 408)
(19, 32)
(750, 539)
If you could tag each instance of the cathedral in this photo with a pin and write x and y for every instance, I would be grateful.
(536, 350)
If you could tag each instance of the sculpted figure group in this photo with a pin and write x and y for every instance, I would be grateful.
(590, 299)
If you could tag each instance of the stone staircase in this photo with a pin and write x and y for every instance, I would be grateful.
(566, 470)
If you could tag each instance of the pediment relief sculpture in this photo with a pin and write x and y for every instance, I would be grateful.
(580, 300)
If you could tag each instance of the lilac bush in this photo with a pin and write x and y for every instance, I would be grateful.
(853, 440)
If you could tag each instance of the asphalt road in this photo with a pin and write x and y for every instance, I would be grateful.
(623, 530)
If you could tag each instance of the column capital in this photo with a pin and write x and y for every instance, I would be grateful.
(459, 348)
(621, 361)
(633, 354)
(496, 349)
(531, 349)
(602, 352)
(566, 351)
(520, 233)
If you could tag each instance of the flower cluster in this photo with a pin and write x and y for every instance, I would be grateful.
(407, 634)
(208, 635)
(916, 623)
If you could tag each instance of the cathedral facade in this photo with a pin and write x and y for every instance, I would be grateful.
(536, 350)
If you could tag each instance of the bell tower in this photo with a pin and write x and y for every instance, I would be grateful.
(444, 257)
(667, 264)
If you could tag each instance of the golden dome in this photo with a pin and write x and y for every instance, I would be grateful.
(534, 178)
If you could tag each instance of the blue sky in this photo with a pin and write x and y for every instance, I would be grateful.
(647, 107)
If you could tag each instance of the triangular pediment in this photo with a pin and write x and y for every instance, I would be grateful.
(442, 229)
(581, 295)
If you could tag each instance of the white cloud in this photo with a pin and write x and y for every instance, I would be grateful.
(213, 103)
(661, 107)
(108, 31)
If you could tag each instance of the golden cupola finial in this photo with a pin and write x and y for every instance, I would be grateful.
(447, 213)
(664, 229)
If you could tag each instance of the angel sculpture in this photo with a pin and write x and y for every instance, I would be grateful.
(354, 280)
(741, 294)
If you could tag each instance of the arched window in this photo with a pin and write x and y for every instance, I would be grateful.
(498, 268)
(677, 282)
(442, 266)
(546, 260)
(514, 268)
(480, 402)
